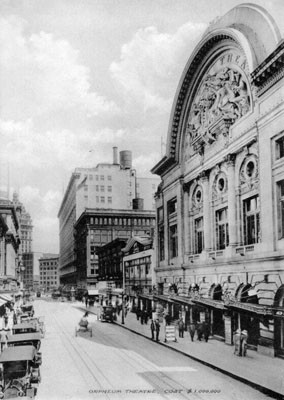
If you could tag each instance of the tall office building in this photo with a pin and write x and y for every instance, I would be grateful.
(107, 186)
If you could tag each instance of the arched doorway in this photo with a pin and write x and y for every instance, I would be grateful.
(248, 321)
(279, 324)
(217, 315)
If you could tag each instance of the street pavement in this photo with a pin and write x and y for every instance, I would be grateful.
(260, 371)
(116, 364)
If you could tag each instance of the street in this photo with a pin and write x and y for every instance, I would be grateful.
(117, 364)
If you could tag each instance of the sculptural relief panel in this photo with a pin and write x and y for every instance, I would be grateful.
(222, 98)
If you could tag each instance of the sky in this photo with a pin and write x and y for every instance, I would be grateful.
(78, 77)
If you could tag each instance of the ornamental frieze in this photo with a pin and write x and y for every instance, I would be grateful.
(222, 98)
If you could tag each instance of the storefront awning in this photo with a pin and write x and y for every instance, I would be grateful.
(210, 303)
(6, 297)
(163, 297)
(183, 300)
(93, 292)
(258, 309)
(146, 296)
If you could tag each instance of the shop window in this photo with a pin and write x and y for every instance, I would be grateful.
(280, 148)
(173, 241)
(198, 234)
(251, 220)
(222, 229)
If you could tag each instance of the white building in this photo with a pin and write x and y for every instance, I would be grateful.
(220, 218)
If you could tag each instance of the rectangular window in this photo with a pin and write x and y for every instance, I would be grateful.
(97, 188)
(251, 220)
(109, 178)
(173, 241)
(161, 244)
(160, 214)
(198, 234)
(280, 196)
(97, 199)
(102, 188)
(102, 178)
(102, 199)
(109, 188)
(280, 148)
(109, 200)
(222, 229)
(172, 206)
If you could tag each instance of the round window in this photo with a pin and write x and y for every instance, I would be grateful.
(221, 184)
(198, 196)
(250, 168)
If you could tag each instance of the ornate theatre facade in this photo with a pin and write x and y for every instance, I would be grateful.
(220, 206)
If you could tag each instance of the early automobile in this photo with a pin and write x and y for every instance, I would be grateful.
(25, 327)
(107, 314)
(28, 309)
(20, 374)
(27, 339)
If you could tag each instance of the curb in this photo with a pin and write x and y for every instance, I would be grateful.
(254, 385)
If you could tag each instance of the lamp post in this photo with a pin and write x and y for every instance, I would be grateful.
(123, 291)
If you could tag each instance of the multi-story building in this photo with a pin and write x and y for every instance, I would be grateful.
(9, 245)
(26, 250)
(220, 225)
(96, 228)
(49, 271)
(139, 260)
(106, 186)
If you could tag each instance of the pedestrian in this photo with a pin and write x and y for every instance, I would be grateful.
(180, 327)
(152, 327)
(244, 338)
(138, 314)
(145, 317)
(86, 301)
(192, 329)
(206, 331)
(167, 319)
(142, 317)
(237, 343)
(157, 328)
(199, 331)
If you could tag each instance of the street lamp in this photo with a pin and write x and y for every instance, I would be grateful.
(123, 290)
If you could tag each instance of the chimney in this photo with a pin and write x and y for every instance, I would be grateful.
(115, 155)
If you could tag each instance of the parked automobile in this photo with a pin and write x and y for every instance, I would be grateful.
(108, 314)
(20, 372)
(27, 339)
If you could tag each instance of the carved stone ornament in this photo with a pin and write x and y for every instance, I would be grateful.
(222, 98)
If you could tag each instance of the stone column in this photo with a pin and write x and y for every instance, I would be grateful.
(206, 212)
(232, 215)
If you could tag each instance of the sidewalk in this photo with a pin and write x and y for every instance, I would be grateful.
(262, 372)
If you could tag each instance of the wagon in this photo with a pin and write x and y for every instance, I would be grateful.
(20, 373)
(27, 339)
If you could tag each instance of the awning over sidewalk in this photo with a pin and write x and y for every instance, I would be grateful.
(93, 292)
(163, 297)
(146, 296)
(183, 300)
(258, 309)
(210, 303)
(6, 297)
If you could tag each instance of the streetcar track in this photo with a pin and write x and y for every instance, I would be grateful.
(163, 378)
(91, 365)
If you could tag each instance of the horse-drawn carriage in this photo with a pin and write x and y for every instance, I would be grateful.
(20, 373)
